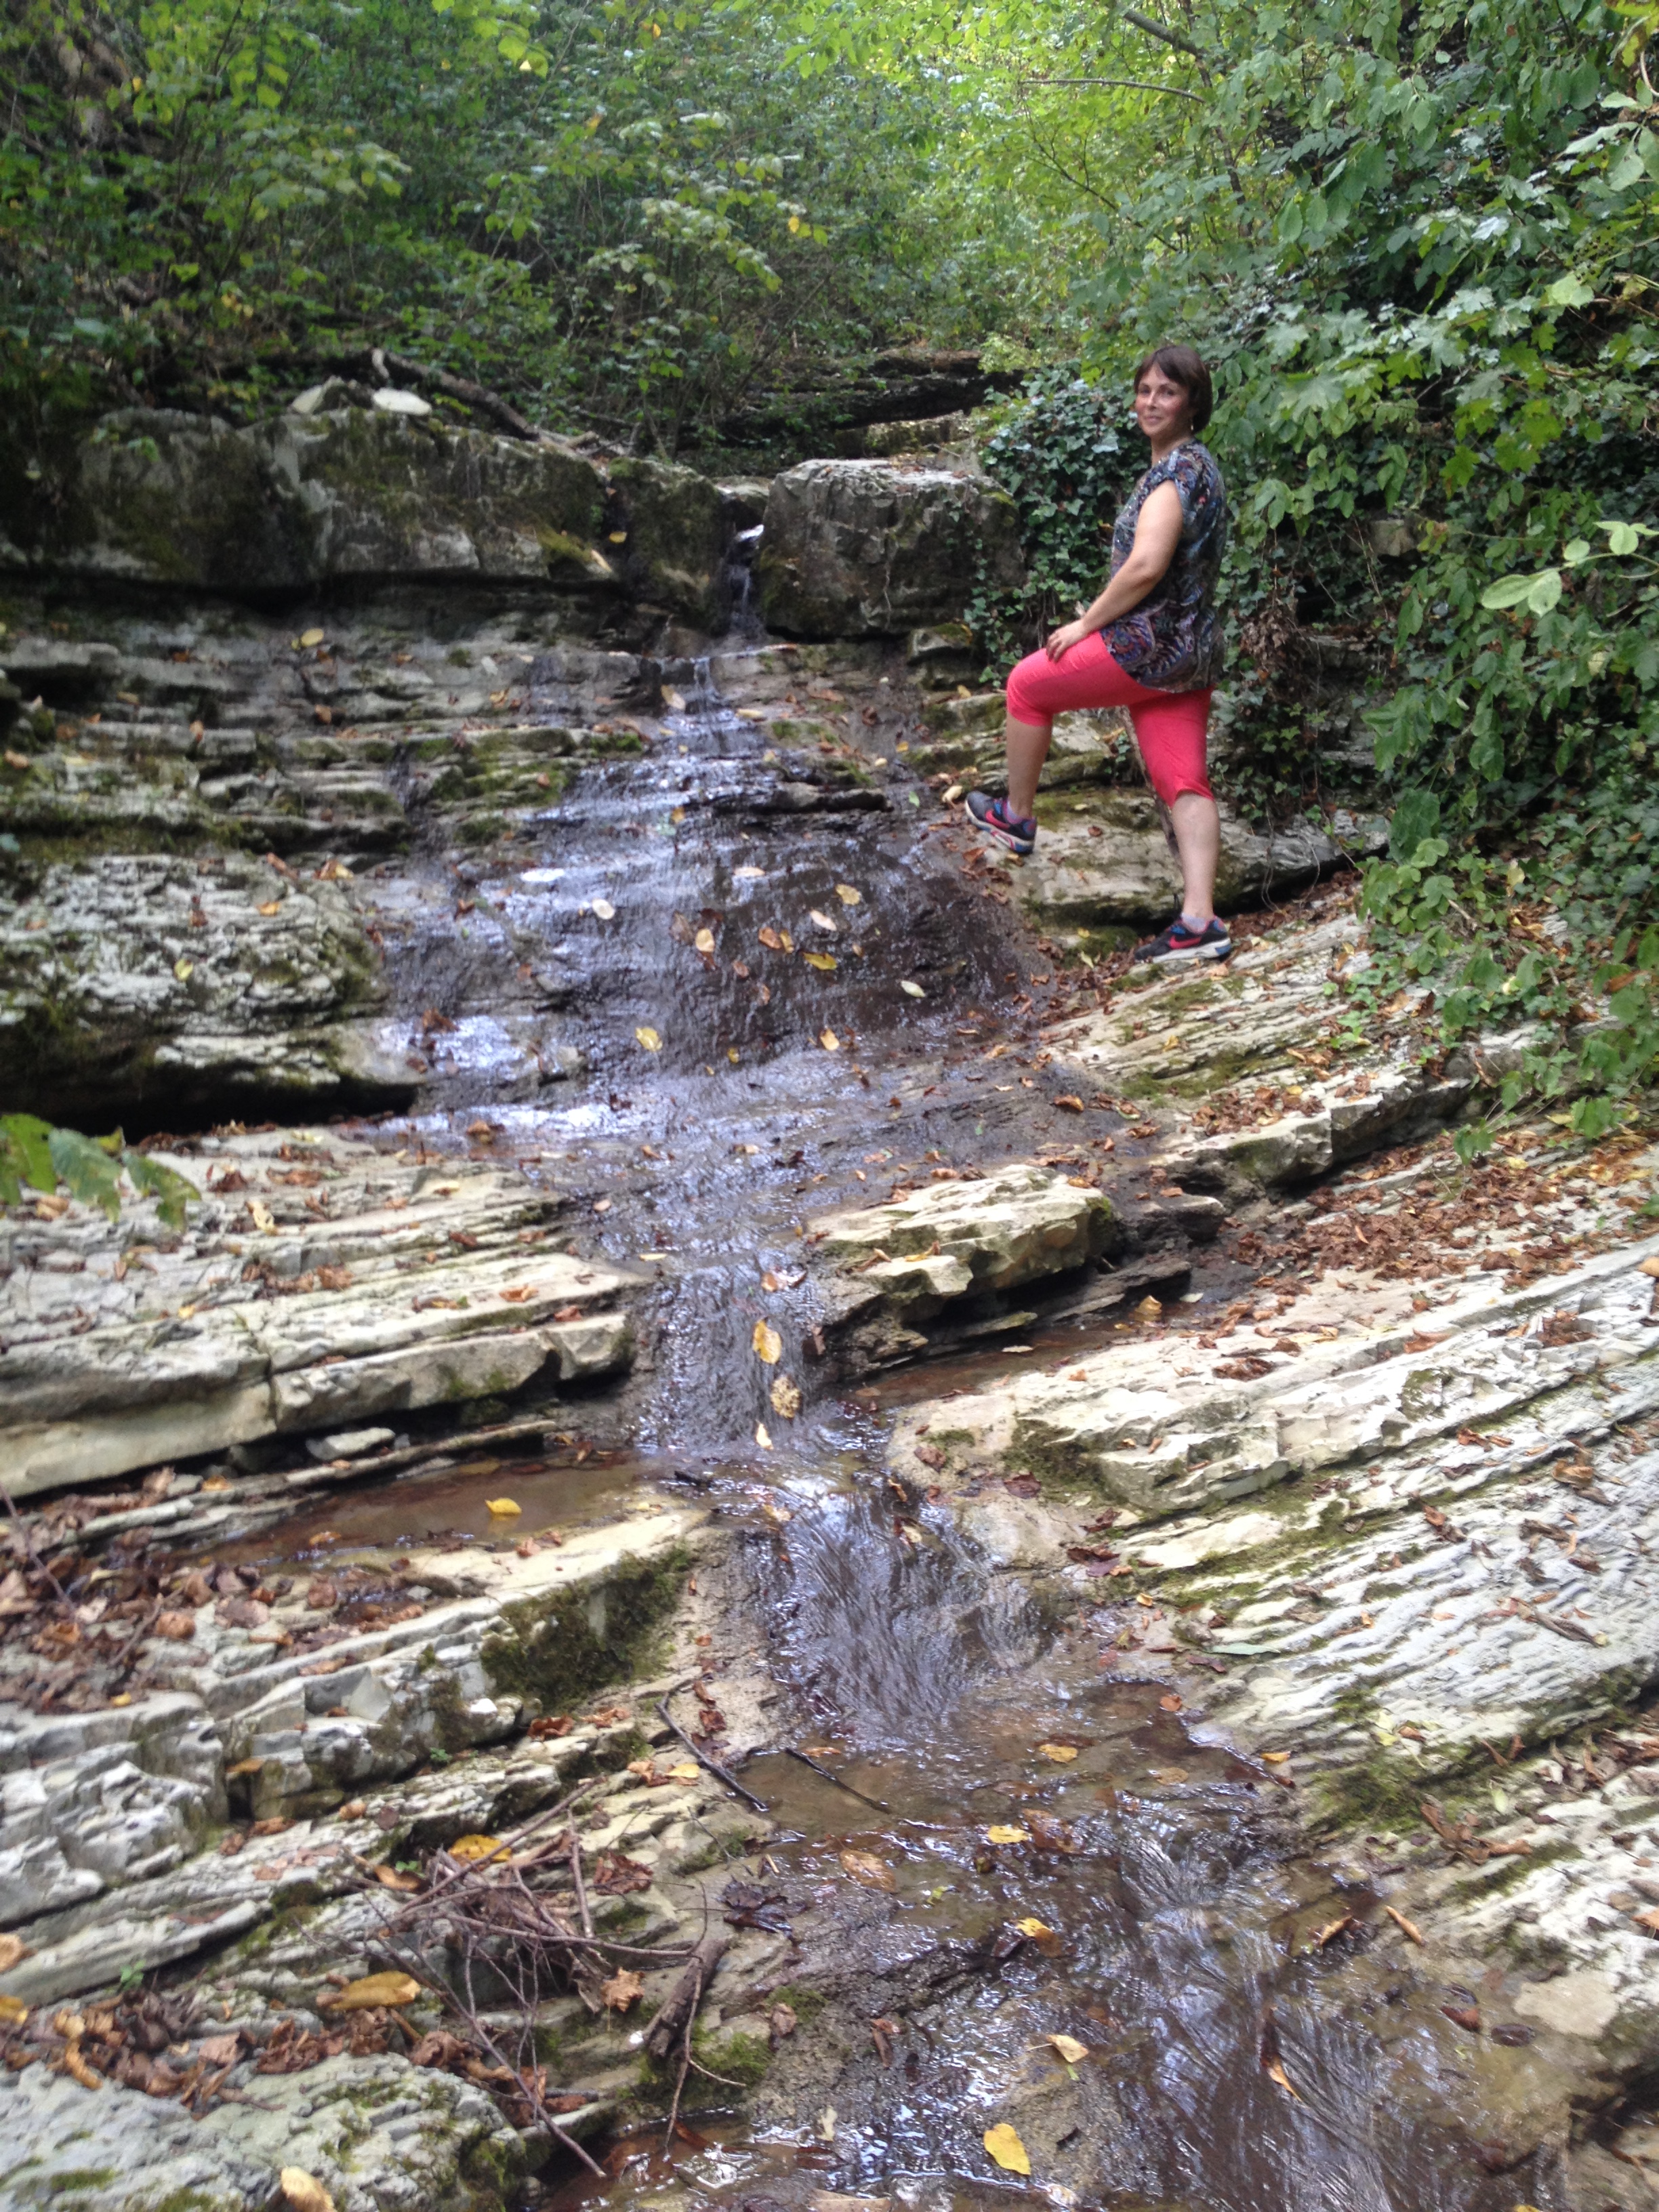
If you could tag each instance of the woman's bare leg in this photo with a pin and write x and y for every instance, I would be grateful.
(1027, 748)
(1198, 834)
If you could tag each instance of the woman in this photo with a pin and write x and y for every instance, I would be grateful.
(1150, 642)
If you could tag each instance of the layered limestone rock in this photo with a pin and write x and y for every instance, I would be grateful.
(318, 1284)
(860, 549)
(348, 495)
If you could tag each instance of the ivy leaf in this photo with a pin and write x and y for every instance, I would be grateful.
(1416, 817)
(27, 1149)
(172, 1191)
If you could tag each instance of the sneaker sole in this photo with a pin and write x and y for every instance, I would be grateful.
(1023, 845)
(1197, 952)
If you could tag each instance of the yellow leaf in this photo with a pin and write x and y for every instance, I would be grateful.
(751, 713)
(649, 1039)
(687, 1770)
(310, 637)
(1033, 1927)
(263, 1217)
(954, 794)
(271, 905)
(825, 921)
(1276, 2073)
(1062, 1753)
(673, 699)
(471, 1849)
(304, 2192)
(825, 961)
(13, 2012)
(618, 537)
(388, 1988)
(505, 1506)
(864, 1867)
(762, 1437)
(785, 1398)
(768, 1345)
(749, 875)
(912, 990)
(848, 895)
(605, 910)
(1069, 2048)
(704, 940)
(1275, 1758)
(184, 969)
(1006, 2148)
(828, 1040)
(1007, 1835)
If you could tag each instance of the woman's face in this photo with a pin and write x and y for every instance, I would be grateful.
(1163, 407)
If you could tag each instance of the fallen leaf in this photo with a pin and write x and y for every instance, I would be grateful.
(472, 1849)
(704, 940)
(750, 875)
(303, 2191)
(825, 961)
(1276, 2073)
(184, 969)
(1172, 1703)
(762, 1437)
(505, 1506)
(389, 1878)
(307, 638)
(623, 1989)
(176, 1627)
(675, 699)
(605, 910)
(1275, 1758)
(768, 1345)
(1069, 2048)
(264, 1219)
(649, 1039)
(865, 1867)
(13, 2012)
(825, 921)
(1003, 1834)
(828, 1040)
(12, 1949)
(783, 2021)
(687, 1770)
(848, 895)
(912, 990)
(785, 1398)
(1405, 1927)
(271, 905)
(387, 1988)
(1062, 1753)
(954, 794)
(769, 938)
(1005, 2147)
(1033, 1927)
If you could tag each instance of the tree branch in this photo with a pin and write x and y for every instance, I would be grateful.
(1156, 30)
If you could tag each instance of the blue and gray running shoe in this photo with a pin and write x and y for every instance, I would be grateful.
(1180, 943)
(1017, 832)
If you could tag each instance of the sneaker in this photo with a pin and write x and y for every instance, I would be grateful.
(1017, 832)
(1178, 944)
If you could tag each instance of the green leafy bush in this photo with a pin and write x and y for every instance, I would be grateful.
(34, 1155)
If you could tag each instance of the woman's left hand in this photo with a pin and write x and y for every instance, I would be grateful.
(1060, 641)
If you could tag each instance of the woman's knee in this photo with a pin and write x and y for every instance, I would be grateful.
(1027, 681)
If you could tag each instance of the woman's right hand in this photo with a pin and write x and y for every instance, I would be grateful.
(1060, 641)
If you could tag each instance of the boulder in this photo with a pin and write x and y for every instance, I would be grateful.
(860, 549)
(164, 981)
(347, 496)
(678, 525)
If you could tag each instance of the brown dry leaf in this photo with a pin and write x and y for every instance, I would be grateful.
(782, 2020)
(12, 1949)
(785, 1398)
(1070, 2049)
(1650, 1920)
(768, 1345)
(1172, 1703)
(1275, 1758)
(271, 905)
(1005, 2145)
(867, 1868)
(770, 940)
(623, 1989)
(177, 1627)
(1405, 1927)
(387, 1988)
(1062, 1753)
(1071, 1105)
(389, 1878)
(1276, 2073)
(472, 1849)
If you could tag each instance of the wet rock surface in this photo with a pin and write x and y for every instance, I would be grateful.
(1076, 1444)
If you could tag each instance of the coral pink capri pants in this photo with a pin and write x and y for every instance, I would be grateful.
(1169, 726)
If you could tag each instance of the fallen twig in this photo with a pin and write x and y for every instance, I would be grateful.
(713, 1764)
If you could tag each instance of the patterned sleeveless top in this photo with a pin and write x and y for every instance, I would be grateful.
(1172, 640)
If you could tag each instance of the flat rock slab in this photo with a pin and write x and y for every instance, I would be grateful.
(195, 981)
(980, 1234)
(319, 1284)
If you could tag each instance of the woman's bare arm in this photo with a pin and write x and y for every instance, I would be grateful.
(1158, 533)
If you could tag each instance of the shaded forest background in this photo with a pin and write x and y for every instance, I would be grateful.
(1418, 243)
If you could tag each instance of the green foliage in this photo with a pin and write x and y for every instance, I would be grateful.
(1062, 456)
(35, 1155)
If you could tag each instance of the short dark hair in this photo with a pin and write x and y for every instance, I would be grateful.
(1185, 366)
